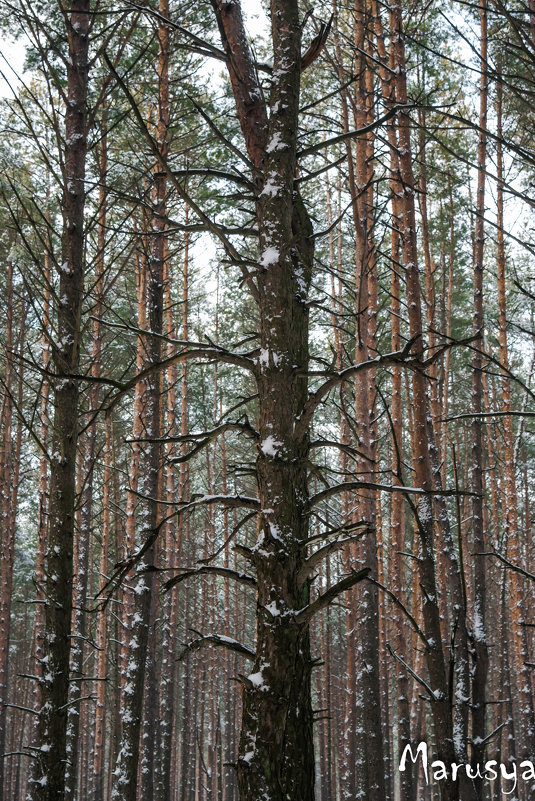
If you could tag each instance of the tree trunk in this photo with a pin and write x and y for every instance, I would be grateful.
(369, 760)
(50, 762)
(9, 469)
(101, 633)
(440, 702)
(140, 674)
(276, 758)
(524, 744)
(479, 678)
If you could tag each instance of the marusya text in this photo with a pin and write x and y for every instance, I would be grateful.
(488, 771)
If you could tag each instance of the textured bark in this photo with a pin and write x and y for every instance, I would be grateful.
(440, 703)
(276, 758)
(479, 614)
(399, 584)
(371, 780)
(46, 348)
(521, 681)
(9, 479)
(86, 480)
(101, 633)
(154, 451)
(140, 691)
(101, 638)
(139, 673)
(50, 762)
(134, 467)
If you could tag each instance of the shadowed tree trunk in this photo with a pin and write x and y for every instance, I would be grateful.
(276, 759)
(479, 677)
(9, 464)
(50, 762)
(370, 780)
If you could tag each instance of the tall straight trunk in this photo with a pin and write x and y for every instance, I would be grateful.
(276, 758)
(8, 465)
(398, 568)
(101, 638)
(364, 769)
(140, 674)
(521, 682)
(154, 452)
(101, 633)
(50, 762)
(369, 736)
(85, 517)
(169, 558)
(128, 545)
(448, 308)
(352, 755)
(183, 524)
(480, 645)
(46, 348)
(441, 701)
(6, 594)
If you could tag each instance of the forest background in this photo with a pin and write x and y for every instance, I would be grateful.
(266, 404)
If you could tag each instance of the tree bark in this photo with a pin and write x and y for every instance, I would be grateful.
(440, 702)
(49, 777)
(479, 679)
(524, 714)
(276, 757)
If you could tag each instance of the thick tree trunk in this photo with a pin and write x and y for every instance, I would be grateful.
(276, 758)
(50, 762)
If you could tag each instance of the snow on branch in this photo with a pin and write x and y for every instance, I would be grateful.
(321, 553)
(400, 357)
(306, 614)
(348, 486)
(123, 567)
(211, 570)
(218, 640)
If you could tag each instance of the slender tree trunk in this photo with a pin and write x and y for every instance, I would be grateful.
(140, 671)
(440, 702)
(521, 683)
(369, 736)
(83, 539)
(101, 632)
(480, 643)
(50, 762)
(9, 464)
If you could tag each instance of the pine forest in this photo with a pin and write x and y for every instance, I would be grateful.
(267, 400)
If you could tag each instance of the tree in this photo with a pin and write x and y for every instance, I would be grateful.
(49, 776)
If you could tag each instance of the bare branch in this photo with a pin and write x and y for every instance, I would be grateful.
(415, 676)
(315, 558)
(210, 570)
(220, 641)
(508, 564)
(306, 614)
